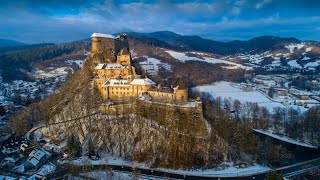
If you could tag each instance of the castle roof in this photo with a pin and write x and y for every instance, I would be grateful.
(124, 51)
(145, 81)
(181, 84)
(100, 66)
(110, 66)
(101, 35)
(116, 82)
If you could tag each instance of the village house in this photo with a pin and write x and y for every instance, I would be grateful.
(35, 160)
(302, 95)
(12, 144)
(56, 145)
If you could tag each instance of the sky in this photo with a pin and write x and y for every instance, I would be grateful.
(59, 21)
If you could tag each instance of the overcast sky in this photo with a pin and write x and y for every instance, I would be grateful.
(36, 21)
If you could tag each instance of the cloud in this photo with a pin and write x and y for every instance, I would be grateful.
(262, 3)
(62, 21)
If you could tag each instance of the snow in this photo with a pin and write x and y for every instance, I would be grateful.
(152, 65)
(78, 62)
(34, 161)
(182, 57)
(116, 175)
(284, 138)
(291, 47)
(145, 81)
(230, 171)
(99, 66)
(294, 64)
(228, 90)
(116, 82)
(312, 64)
(227, 172)
(46, 169)
(305, 58)
(101, 35)
(308, 49)
(3, 177)
(37, 154)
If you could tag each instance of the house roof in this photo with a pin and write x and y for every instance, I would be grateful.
(102, 35)
(34, 161)
(145, 81)
(37, 154)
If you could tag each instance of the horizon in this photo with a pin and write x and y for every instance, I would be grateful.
(57, 21)
(88, 38)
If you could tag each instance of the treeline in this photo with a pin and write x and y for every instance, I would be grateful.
(13, 63)
(304, 126)
(242, 146)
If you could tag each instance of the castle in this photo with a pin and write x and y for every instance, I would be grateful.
(118, 81)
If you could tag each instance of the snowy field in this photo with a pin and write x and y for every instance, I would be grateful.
(183, 57)
(293, 47)
(78, 62)
(229, 91)
(152, 65)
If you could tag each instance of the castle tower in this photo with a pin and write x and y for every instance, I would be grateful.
(181, 91)
(124, 57)
(102, 42)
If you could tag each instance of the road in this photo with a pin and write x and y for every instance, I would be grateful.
(286, 171)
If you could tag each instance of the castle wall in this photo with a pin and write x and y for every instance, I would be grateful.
(162, 96)
(180, 96)
(123, 93)
(99, 44)
(112, 73)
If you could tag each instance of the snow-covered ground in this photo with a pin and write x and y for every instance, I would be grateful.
(227, 172)
(78, 62)
(62, 71)
(117, 175)
(181, 56)
(294, 64)
(285, 138)
(293, 47)
(230, 91)
(152, 65)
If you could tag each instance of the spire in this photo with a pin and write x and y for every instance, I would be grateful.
(125, 51)
(181, 84)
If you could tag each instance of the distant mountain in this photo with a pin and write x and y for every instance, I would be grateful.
(6, 42)
(197, 43)
(22, 47)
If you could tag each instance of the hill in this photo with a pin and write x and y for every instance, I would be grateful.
(6, 43)
(12, 63)
(197, 43)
